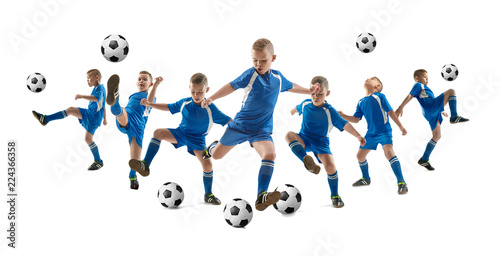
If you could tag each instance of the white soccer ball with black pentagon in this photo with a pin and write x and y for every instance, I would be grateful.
(36, 82)
(449, 72)
(114, 48)
(238, 213)
(290, 199)
(170, 195)
(366, 42)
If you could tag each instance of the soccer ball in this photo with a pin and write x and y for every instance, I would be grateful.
(238, 213)
(36, 82)
(449, 72)
(366, 42)
(170, 195)
(290, 199)
(114, 48)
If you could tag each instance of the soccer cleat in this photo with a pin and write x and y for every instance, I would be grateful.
(96, 166)
(266, 199)
(361, 182)
(426, 164)
(337, 201)
(139, 166)
(310, 165)
(41, 118)
(113, 92)
(402, 188)
(134, 183)
(458, 119)
(211, 199)
(205, 153)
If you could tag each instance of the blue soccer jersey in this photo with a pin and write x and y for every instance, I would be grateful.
(423, 94)
(138, 114)
(259, 100)
(96, 109)
(319, 121)
(375, 108)
(196, 120)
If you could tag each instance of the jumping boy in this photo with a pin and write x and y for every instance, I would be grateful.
(377, 111)
(254, 121)
(432, 108)
(90, 118)
(132, 119)
(195, 125)
(318, 119)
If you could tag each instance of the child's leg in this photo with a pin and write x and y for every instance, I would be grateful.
(296, 144)
(89, 139)
(266, 151)
(218, 151)
(436, 135)
(363, 164)
(450, 96)
(120, 113)
(331, 170)
(72, 111)
(135, 153)
(394, 161)
(154, 145)
(207, 171)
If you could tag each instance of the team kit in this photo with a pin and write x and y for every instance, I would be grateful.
(254, 123)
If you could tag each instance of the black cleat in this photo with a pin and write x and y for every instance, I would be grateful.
(211, 199)
(266, 199)
(139, 166)
(113, 93)
(41, 118)
(402, 188)
(205, 154)
(337, 201)
(458, 119)
(426, 164)
(96, 166)
(361, 182)
(134, 183)
(310, 165)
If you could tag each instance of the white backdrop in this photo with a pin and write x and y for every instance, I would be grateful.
(64, 209)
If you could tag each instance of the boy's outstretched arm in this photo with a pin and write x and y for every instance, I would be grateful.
(152, 94)
(299, 89)
(159, 106)
(86, 97)
(399, 111)
(350, 129)
(222, 92)
(395, 118)
(350, 119)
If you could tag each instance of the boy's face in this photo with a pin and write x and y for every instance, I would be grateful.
(372, 85)
(422, 78)
(198, 92)
(143, 82)
(92, 80)
(318, 97)
(262, 60)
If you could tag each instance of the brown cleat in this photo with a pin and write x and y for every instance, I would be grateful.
(266, 199)
(139, 166)
(310, 165)
(113, 92)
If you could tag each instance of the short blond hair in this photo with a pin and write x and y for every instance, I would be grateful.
(199, 78)
(146, 73)
(262, 44)
(419, 72)
(95, 72)
(322, 81)
(380, 82)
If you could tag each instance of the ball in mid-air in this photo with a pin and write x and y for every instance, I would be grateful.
(36, 82)
(449, 72)
(290, 199)
(114, 48)
(366, 42)
(170, 195)
(238, 213)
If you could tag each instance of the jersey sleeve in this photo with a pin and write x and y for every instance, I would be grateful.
(243, 80)
(175, 107)
(300, 107)
(217, 115)
(415, 91)
(337, 120)
(385, 103)
(100, 93)
(359, 112)
(285, 84)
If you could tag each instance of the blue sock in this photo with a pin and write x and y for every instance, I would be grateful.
(396, 168)
(208, 178)
(95, 152)
(116, 109)
(428, 150)
(333, 181)
(297, 149)
(453, 105)
(364, 169)
(265, 174)
(153, 147)
(132, 174)
(56, 116)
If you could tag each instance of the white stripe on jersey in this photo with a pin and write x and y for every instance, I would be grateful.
(381, 108)
(147, 111)
(248, 88)
(184, 104)
(99, 104)
(330, 124)
(279, 77)
(423, 94)
(210, 119)
(304, 105)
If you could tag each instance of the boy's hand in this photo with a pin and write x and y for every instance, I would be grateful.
(206, 102)
(314, 88)
(145, 102)
(399, 112)
(444, 114)
(362, 141)
(293, 111)
(340, 112)
(78, 96)
(403, 130)
(158, 80)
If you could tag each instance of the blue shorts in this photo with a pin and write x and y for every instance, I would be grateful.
(89, 121)
(234, 137)
(433, 111)
(191, 142)
(372, 141)
(132, 132)
(315, 145)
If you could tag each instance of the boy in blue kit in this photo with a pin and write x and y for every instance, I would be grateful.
(377, 111)
(132, 119)
(432, 108)
(254, 122)
(195, 125)
(90, 118)
(319, 118)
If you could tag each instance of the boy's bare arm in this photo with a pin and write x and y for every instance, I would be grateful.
(399, 111)
(350, 129)
(350, 119)
(86, 97)
(299, 89)
(159, 106)
(222, 92)
(152, 94)
(395, 118)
